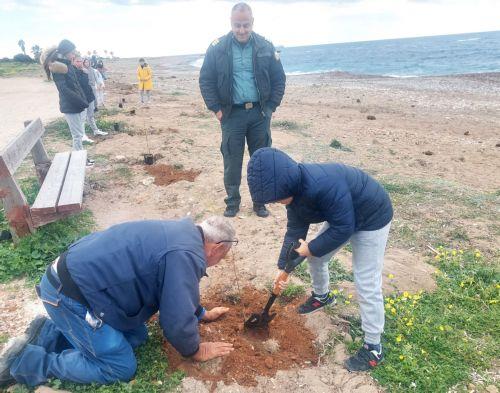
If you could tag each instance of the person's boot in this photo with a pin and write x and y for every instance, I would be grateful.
(368, 357)
(16, 346)
(231, 211)
(260, 210)
(316, 302)
(86, 139)
(100, 132)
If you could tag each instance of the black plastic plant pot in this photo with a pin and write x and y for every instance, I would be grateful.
(116, 126)
(123, 99)
(120, 105)
(149, 159)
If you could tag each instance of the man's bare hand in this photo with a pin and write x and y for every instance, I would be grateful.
(212, 350)
(218, 115)
(214, 313)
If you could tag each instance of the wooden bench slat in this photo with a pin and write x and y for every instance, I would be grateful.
(14, 153)
(72, 191)
(46, 201)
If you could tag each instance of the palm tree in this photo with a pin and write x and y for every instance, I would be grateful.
(22, 45)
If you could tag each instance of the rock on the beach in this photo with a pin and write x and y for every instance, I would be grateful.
(467, 133)
(371, 117)
(428, 153)
(498, 144)
(148, 180)
(268, 361)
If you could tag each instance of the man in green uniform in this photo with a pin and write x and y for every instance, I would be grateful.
(242, 81)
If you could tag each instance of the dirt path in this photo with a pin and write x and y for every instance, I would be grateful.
(25, 98)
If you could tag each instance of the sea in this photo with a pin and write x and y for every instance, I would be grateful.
(403, 57)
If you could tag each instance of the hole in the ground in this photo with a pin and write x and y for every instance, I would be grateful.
(286, 344)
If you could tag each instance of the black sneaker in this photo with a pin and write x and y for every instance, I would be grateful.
(315, 303)
(231, 211)
(260, 210)
(15, 347)
(364, 359)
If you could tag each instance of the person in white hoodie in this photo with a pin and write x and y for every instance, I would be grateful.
(96, 82)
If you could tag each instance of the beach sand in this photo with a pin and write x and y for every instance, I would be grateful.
(436, 130)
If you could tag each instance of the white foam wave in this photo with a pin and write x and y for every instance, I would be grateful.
(310, 72)
(469, 39)
(197, 63)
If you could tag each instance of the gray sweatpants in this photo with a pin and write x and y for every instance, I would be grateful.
(75, 124)
(368, 248)
(88, 115)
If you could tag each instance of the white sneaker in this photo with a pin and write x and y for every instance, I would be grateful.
(87, 139)
(99, 132)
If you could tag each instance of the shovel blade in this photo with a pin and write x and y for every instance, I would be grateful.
(257, 321)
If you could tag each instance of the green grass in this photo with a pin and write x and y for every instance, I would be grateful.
(13, 68)
(58, 129)
(286, 124)
(3, 338)
(152, 371)
(434, 341)
(338, 272)
(335, 144)
(30, 257)
(291, 292)
(438, 212)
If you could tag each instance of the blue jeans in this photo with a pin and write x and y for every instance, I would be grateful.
(70, 349)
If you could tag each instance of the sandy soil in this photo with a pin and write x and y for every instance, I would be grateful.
(455, 118)
(23, 99)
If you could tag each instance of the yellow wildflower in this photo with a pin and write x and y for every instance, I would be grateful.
(450, 306)
(454, 252)
(409, 323)
(401, 357)
(399, 338)
(405, 294)
(460, 251)
(393, 310)
(441, 327)
(391, 301)
(437, 258)
(335, 292)
(390, 275)
(347, 302)
(387, 306)
(423, 351)
(349, 297)
(493, 301)
(462, 284)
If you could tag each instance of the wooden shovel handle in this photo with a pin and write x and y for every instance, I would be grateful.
(281, 278)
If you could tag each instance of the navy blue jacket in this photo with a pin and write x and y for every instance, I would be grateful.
(130, 271)
(346, 197)
(216, 74)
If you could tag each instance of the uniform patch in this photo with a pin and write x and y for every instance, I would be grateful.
(277, 55)
(215, 42)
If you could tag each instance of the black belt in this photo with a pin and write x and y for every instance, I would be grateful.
(247, 105)
(67, 286)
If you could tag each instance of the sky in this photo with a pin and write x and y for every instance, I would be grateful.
(147, 28)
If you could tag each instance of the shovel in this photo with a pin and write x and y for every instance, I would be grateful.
(262, 320)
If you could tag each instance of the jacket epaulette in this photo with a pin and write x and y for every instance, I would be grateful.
(215, 42)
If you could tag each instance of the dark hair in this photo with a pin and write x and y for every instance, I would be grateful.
(47, 58)
(241, 7)
(141, 59)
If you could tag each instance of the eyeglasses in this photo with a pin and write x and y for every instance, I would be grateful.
(235, 241)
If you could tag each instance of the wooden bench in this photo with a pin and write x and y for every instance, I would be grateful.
(61, 181)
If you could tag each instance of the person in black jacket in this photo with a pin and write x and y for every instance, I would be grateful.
(57, 63)
(354, 208)
(242, 81)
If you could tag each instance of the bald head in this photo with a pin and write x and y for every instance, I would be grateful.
(241, 22)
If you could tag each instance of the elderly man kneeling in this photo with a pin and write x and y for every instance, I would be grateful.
(101, 291)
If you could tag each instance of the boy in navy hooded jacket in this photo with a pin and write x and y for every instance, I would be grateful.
(354, 208)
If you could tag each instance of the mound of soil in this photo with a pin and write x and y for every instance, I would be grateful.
(286, 344)
(168, 174)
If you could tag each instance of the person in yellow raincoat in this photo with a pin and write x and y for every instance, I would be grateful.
(145, 76)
